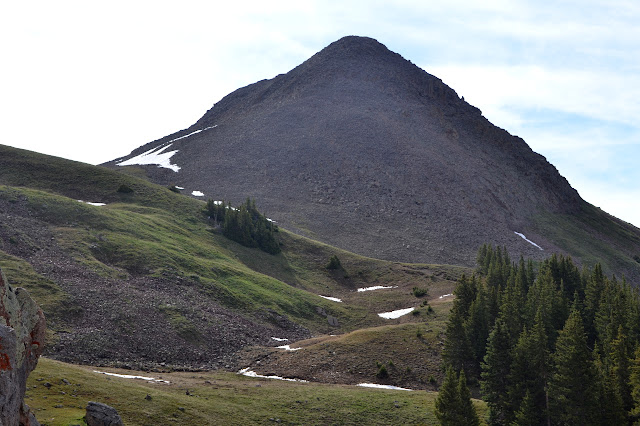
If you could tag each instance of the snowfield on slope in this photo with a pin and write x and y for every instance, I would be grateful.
(333, 299)
(395, 314)
(128, 376)
(527, 240)
(153, 156)
(158, 156)
(377, 386)
(376, 287)
(249, 373)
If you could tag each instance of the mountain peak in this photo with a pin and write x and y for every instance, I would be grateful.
(356, 45)
(355, 50)
(375, 155)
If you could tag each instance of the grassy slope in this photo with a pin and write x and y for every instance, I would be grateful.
(409, 347)
(156, 232)
(122, 238)
(219, 398)
(594, 236)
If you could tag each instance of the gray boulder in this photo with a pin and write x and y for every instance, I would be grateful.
(99, 414)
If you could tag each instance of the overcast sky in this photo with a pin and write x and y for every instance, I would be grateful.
(91, 81)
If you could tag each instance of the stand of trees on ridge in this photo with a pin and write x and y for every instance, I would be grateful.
(244, 225)
(557, 346)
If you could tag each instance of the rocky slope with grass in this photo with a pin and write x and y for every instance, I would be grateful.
(141, 278)
(360, 148)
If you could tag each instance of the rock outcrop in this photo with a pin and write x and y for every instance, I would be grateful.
(99, 414)
(22, 333)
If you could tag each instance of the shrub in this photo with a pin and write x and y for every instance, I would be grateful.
(334, 263)
(636, 258)
(382, 372)
(125, 189)
(420, 292)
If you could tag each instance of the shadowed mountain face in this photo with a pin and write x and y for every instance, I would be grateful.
(359, 148)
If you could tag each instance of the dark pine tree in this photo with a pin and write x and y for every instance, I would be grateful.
(495, 375)
(572, 388)
(453, 406)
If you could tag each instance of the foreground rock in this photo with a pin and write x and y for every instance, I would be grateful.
(99, 414)
(22, 333)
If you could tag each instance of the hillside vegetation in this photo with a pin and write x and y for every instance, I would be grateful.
(553, 344)
(149, 266)
(213, 398)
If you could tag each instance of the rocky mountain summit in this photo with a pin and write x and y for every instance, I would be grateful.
(22, 334)
(359, 148)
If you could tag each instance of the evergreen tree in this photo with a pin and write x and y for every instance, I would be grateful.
(468, 413)
(477, 330)
(495, 375)
(621, 369)
(634, 383)
(609, 410)
(244, 225)
(572, 392)
(593, 292)
(528, 414)
(453, 406)
(457, 352)
(465, 293)
(529, 373)
(447, 405)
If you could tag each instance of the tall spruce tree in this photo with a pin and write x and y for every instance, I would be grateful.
(495, 375)
(477, 330)
(467, 410)
(572, 388)
(447, 405)
(457, 352)
(529, 374)
(453, 406)
(634, 383)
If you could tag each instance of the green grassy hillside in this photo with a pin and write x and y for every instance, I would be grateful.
(593, 236)
(148, 267)
(210, 398)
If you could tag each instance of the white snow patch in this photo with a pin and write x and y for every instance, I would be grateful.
(179, 187)
(377, 386)
(445, 295)
(527, 240)
(376, 287)
(335, 299)
(288, 348)
(278, 339)
(249, 373)
(197, 193)
(395, 314)
(157, 156)
(192, 133)
(153, 156)
(127, 376)
(92, 204)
